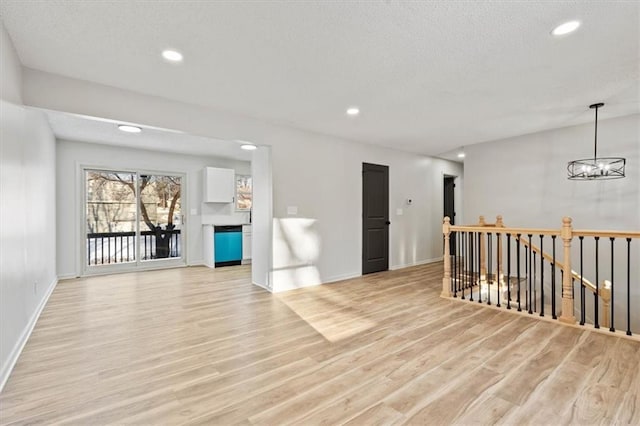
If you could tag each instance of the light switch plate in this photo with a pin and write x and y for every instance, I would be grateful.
(292, 210)
(194, 212)
(399, 212)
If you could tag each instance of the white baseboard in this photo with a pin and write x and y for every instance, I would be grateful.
(7, 368)
(420, 262)
(340, 278)
(199, 262)
(67, 277)
(262, 286)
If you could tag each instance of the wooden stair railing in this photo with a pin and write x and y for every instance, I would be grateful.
(576, 276)
(566, 233)
(603, 292)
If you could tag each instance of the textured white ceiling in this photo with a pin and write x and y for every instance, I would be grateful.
(428, 76)
(93, 130)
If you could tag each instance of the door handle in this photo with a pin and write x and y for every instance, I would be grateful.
(387, 223)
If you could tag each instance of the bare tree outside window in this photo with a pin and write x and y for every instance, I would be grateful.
(111, 209)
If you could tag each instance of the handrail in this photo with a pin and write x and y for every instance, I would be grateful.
(605, 234)
(129, 233)
(506, 230)
(588, 284)
(538, 231)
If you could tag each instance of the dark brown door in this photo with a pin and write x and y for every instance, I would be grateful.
(375, 218)
(449, 207)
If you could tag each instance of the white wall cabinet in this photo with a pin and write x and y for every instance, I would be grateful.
(246, 243)
(218, 185)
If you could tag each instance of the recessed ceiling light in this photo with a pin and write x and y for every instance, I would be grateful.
(353, 111)
(172, 55)
(248, 147)
(461, 155)
(129, 129)
(566, 28)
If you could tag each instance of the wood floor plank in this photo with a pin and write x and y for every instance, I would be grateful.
(439, 411)
(378, 415)
(486, 409)
(444, 362)
(628, 412)
(289, 388)
(537, 368)
(350, 404)
(201, 346)
(610, 380)
(565, 384)
(328, 394)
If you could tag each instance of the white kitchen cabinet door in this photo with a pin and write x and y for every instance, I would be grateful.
(246, 242)
(219, 185)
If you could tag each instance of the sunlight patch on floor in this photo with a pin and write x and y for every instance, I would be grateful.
(328, 313)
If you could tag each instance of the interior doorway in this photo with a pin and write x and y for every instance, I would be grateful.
(375, 218)
(450, 207)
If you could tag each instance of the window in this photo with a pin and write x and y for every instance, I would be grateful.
(244, 189)
(131, 217)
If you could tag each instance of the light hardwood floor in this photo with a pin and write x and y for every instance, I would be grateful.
(201, 346)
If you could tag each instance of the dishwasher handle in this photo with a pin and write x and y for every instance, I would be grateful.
(227, 228)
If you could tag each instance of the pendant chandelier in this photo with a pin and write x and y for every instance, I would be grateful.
(596, 168)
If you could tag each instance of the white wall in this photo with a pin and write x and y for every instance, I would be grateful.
(318, 174)
(27, 213)
(524, 179)
(71, 156)
(322, 177)
(261, 253)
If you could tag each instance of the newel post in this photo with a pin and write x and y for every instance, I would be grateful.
(605, 294)
(566, 234)
(446, 280)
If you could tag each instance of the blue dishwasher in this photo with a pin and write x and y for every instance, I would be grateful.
(227, 245)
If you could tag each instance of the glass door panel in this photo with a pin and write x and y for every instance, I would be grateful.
(110, 214)
(160, 220)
